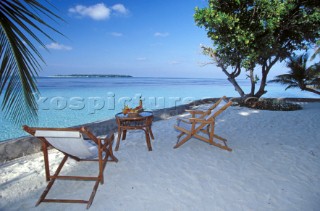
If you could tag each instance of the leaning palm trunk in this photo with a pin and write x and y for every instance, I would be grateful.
(312, 90)
(19, 58)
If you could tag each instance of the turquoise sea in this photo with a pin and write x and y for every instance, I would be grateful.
(65, 102)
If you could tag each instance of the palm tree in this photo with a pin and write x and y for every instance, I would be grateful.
(19, 58)
(307, 79)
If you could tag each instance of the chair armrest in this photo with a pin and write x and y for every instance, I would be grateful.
(109, 138)
(184, 120)
(197, 120)
(106, 140)
(195, 111)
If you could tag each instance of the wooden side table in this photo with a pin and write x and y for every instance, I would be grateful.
(142, 121)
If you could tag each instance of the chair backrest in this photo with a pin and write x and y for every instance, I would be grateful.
(208, 111)
(70, 142)
(223, 105)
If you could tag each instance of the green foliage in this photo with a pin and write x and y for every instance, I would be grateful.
(247, 33)
(19, 57)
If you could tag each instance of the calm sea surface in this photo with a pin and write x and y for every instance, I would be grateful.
(65, 102)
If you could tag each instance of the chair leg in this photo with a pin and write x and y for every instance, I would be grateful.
(210, 141)
(46, 159)
(118, 140)
(95, 187)
(52, 180)
(102, 165)
(110, 152)
(183, 141)
(213, 135)
(220, 138)
(224, 141)
(179, 136)
(56, 176)
(225, 147)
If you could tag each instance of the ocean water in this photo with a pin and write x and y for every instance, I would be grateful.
(65, 102)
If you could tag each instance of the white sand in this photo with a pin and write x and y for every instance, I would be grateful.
(274, 165)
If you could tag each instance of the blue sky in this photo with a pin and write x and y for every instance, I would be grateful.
(139, 38)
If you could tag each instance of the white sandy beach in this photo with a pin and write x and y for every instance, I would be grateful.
(274, 165)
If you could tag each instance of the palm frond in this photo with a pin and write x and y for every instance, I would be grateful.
(316, 52)
(20, 59)
(291, 86)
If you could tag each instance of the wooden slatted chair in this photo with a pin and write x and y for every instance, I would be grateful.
(201, 125)
(72, 144)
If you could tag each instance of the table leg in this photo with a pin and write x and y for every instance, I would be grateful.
(124, 134)
(148, 139)
(118, 140)
(150, 132)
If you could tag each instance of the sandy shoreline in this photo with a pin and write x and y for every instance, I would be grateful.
(274, 166)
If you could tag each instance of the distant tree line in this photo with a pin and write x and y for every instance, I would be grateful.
(95, 76)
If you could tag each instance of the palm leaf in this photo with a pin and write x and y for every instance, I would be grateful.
(316, 52)
(20, 59)
(291, 86)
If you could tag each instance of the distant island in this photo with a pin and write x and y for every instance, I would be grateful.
(93, 76)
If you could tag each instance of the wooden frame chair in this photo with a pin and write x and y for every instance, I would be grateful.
(72, 144)
(202, 122)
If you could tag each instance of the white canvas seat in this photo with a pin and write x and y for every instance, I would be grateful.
(70, 142)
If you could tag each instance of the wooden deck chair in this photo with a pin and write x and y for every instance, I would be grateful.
(202, 126)
(72, 144)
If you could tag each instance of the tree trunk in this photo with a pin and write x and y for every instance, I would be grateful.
(265, 71)
(231, 77)
(261, 90)
(311, 90)
(253, 84)
(263, 83)
(236, 86)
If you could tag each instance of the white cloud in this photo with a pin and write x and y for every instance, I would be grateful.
(98, 11)
(116, 34)
(161, 34)
(57, 46)
(120, 9)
